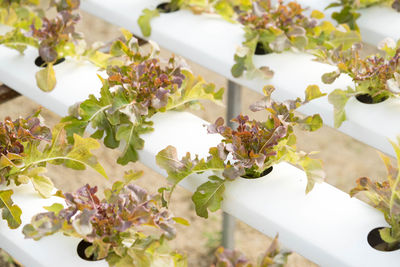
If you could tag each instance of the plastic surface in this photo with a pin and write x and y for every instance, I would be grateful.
(211, 41)
(326, 226)
(75, 79)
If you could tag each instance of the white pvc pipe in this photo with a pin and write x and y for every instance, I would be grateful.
(211, 42)
(326, 226)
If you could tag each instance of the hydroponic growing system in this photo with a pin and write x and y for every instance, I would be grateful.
(325, 225)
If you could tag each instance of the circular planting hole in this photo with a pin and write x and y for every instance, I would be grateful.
(81, 251)
(264, 173)
(43, 64)
(166, 8)
(260, 50)
(376, 242)
(367, 99)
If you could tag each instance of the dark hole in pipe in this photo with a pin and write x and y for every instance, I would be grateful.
(367, 99)
(43, 64)
(166, 8)
(264, 173)
(260, 50)
(82, 246)
(376, 242)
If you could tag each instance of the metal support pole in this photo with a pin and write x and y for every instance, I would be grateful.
(228, 231)
(233, 109)
(234, 105)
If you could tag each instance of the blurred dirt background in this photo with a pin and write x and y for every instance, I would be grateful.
(345, 159)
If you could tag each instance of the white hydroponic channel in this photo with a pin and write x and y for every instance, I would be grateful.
(326, 226)
(211, 42)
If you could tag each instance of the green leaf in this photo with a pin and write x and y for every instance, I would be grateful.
(347, 16)
(46, 78)
(317, 14)
(93, 111)
(314, 171)
(18, 40)
(239, 67)
(179, 169)
(209, 196)
(338, 98)
(181, 221)
(131, 175)
(244, 56)
(74, 125)
(127, 34)
(144, 21)
(98, 58)
(193, 89)
(313, 92)
(80, 155)
(345, 39)
(77, 156)
(225, 9)
(89, 251)
(55, 207)
(133, 142)
(300, 42)
(11, 213)
(330, 77)
(44, 224)
(42, 184)
(311, 123)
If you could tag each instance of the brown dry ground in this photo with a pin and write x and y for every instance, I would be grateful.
(345, 159)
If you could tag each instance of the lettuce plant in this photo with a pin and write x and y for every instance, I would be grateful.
(273, 257)
(129, 227)
(274, 29)
(268, 28)
(55, 34)
(385, 196)
(55, 39)
(26, 146)
(133, 93)
(225, 8)
(349, 10)
(248, 150)
(375, 77)
(20, 14)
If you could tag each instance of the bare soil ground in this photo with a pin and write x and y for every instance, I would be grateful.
(345, 159)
